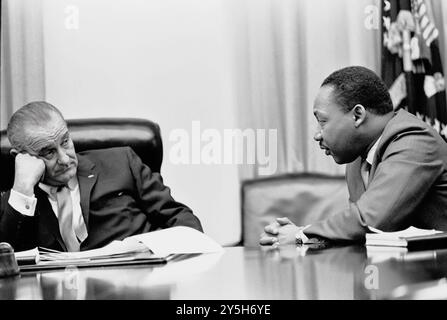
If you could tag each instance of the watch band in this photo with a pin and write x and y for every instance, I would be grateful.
(300, 237)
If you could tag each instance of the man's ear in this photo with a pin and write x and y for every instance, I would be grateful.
(13, 152)
(358, 114)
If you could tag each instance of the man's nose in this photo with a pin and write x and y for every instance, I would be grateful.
(317, 135)
(63, 157)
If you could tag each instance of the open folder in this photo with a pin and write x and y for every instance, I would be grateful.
(152, 247)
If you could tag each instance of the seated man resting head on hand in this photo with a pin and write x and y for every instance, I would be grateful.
(396, 164)
(70, 202)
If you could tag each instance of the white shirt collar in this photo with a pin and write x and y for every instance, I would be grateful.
(372, 151)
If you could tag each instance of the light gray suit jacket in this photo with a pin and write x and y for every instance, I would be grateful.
(407, 184)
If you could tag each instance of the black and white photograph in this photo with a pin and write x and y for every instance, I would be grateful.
(223, 156)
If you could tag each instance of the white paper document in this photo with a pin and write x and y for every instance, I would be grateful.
(396, 238)
(160, 243)
(178, 240)
(409, 232)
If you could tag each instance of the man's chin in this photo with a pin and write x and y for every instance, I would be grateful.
(338, 160)
(62, 179)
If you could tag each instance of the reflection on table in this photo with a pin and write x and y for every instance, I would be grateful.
(344, 272)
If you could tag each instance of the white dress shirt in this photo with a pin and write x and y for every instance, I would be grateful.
(27, 205)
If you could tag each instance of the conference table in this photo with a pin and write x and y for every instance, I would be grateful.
(239, 273)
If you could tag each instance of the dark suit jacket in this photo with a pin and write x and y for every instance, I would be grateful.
(407, 184)
(120, 196)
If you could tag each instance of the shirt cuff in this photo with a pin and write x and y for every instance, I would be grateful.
(22, 204)
(301, 238)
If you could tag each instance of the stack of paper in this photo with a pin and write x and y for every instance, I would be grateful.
(113, 250)
(152, 247)
(177, 240)
(27, 257)
(411, 238)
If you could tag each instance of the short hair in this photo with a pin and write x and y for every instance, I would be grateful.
(35, 113)
(359, 85)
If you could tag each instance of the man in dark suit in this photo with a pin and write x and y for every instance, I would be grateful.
(396, 164)
(71, 202)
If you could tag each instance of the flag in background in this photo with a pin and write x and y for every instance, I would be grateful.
(411, 61)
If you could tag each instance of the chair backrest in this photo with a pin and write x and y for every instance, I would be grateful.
(99, 133)
(303, 198)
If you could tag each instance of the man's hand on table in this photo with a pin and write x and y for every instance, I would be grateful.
(281, 232)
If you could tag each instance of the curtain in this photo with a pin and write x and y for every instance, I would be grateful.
(22, 56)
(282, 51)
(440, 17)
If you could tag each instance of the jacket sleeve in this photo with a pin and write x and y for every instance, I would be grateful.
(410, 165)
(16, 229)
(161, 209)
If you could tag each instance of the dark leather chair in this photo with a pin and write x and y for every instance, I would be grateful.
(99, 133)
(303, 198)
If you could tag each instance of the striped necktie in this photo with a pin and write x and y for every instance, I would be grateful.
(65, 217)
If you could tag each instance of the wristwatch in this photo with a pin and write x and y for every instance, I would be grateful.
(300, 237)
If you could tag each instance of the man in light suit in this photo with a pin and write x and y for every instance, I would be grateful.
(70, 202)
(396, 163)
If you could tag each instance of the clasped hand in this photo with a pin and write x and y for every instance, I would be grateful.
(281, 232)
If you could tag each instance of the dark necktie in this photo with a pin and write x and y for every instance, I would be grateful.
(364, 172)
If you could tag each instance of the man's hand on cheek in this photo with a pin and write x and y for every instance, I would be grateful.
(28, 171)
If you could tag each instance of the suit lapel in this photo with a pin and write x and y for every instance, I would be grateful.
(87, 177)
(401, 120)
(388, 133)
(48, 223)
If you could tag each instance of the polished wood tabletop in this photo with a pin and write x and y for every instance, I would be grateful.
(286, 273)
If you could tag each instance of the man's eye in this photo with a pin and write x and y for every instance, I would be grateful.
(47, 154)
(65, 142)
